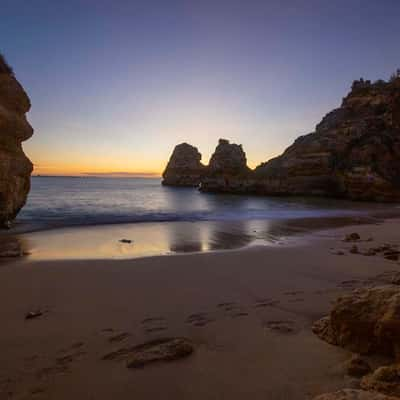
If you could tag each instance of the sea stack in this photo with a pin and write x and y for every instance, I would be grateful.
(227, 170)
(15, 167)
(184, 167)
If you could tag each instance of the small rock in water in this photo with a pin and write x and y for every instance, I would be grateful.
(33, 314)
(352, 237)
(125, 241)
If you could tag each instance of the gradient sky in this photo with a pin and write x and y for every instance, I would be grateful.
(115, 84)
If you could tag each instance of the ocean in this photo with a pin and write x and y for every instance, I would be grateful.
(71, 201)
(87, 217)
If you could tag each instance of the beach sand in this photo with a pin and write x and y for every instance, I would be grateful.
(247, 312)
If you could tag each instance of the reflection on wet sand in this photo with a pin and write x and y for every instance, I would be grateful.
(150, 239)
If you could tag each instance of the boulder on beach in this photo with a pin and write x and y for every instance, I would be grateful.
(353, 394)
(15, 167)
(367, 321)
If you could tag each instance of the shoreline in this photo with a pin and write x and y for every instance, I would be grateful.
(248, 313)
(152, 239)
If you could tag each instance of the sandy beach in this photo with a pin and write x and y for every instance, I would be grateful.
(248, 314)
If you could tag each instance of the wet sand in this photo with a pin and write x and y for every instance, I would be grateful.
(247, 312)
(127, 241)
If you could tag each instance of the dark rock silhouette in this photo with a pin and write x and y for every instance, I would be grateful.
(15, 167)
(184, 168)
(354, 153)
(227, 170)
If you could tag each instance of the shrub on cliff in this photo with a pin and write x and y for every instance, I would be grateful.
(4, 67)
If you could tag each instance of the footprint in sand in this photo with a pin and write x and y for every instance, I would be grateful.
(62, 364)
(280, 326)
(227, 306)
(297, 300)
(199, 319)
(293, 293)
(154, 324)
(119, 337)
(267, 302)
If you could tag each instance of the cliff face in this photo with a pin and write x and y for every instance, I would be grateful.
(15, 167)
(184, 167)
(227, 170)
(354, 153)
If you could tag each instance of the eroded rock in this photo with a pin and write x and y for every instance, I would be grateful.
(385, 379)
(367, 321)
(227, 170)
(184, 168)
(15, 167)
(353, 394)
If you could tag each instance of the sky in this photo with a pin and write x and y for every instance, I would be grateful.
(116, 84)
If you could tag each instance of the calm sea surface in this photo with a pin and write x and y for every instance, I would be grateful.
(67, 201)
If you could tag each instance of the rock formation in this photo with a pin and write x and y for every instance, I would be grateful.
(367, 321)
(15, 167)
(227, 170)
(354, 153)
(353, 394)
(184, 167)
(384, 379)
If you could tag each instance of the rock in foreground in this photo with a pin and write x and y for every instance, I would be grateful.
(385, 379)
(367, 321)
(15, 167)
(353, 394)
(184, 168)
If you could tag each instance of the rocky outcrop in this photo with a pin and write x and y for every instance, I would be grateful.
(184, 168)
(354, 153)
(15, 167)
(367, 321)
(227, 170)
(353, 394)
(384, 379)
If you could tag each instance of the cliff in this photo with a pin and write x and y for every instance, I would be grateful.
(15, 167)
(184, 168)
(353, 153)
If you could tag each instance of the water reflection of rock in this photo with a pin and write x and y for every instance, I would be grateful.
(196, 237)
(185, 238)
(231, 235)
